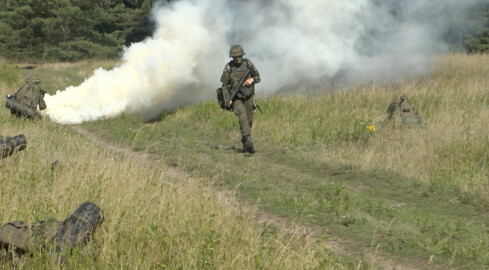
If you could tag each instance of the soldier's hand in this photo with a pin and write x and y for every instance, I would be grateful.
(248, 82)
(221, 104)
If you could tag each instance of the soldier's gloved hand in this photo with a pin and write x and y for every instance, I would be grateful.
(221, 103)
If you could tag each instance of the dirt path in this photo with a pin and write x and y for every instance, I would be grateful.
(308, 232)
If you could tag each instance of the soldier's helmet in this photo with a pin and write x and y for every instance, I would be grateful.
(236, 50)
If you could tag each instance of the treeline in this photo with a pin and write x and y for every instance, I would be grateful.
(71, 29)
(76, 29)
(477, 40)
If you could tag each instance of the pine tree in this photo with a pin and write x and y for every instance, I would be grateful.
(71, 29)
(478, 39)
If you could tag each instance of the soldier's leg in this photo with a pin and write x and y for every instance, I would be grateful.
(249, 104)
(244, 125)
(15, 235)
(240, 111)
(247, 122)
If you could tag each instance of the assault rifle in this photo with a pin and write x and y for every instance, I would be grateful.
(239, 88)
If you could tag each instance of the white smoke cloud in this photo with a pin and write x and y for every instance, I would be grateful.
(289, 41)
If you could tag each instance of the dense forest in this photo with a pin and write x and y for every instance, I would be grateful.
(477, 38)
(66, 30)
(71, 29)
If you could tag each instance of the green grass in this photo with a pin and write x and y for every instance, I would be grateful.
(61, 75)
(407, 219)
(152, 219)
(416, 194)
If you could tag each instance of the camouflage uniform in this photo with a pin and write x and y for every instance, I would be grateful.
(243, 105)
(27, 98)
(49, 234)
(403, 113)
(10, 145)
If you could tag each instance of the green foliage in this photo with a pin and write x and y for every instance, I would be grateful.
(478, 42)
(478, 39)
(153, 220)
(416, 193)
(75, 29)
(419, 194)
(9, 75)
(71, 30)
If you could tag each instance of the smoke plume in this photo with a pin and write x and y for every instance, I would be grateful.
(290, 42)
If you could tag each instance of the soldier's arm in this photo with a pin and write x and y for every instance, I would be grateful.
(254, 72)
(225, 81)
(42, 104)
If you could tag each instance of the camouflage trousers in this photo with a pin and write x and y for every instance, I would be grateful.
(50, 235)
(25, 237)
(243, 109)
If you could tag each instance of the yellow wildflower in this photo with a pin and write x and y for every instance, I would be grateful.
(371, 128)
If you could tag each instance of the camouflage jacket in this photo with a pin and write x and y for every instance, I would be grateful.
(30, 95)
(232, 74)
(51, 235)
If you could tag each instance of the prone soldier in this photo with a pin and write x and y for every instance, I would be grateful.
(56, 237)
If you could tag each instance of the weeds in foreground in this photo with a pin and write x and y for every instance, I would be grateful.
(152, 220)
(333, 161)
(416, 193)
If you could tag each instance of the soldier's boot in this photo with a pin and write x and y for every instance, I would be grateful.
(248, 144)
(243, 142)
(78, 228)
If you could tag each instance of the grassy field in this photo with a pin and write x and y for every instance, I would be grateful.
(406, 197)
(153, 218)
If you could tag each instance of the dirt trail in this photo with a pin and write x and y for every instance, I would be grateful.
(262, 217)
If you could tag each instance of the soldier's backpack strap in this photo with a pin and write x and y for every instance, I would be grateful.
(250, 67)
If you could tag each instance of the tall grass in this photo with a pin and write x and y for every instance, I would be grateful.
(9, 75)
(450, 153)
(414, 192)
(447, 157)
(152, 220)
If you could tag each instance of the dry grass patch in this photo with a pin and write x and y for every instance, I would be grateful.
(150, 221)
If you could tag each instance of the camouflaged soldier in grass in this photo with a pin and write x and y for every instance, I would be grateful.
(243, 105)
(55, 237)
(10, 145)
(26, 99)
(403, 113)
